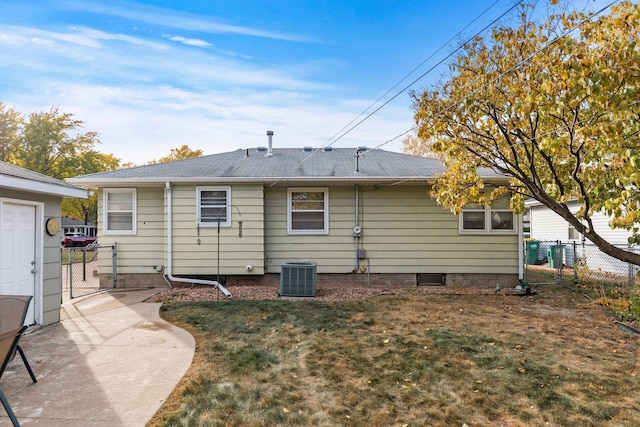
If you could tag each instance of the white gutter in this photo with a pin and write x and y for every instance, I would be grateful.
(169, 274)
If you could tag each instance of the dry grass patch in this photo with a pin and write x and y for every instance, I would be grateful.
(411, 358)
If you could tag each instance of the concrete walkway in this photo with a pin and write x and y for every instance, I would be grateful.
(111, 361)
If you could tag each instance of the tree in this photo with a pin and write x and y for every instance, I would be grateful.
(90, 162)
(182, 152)
(49, 143)
(10, 124)
(556, 111)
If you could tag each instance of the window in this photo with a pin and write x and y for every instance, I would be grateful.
(214, 205)
(501, 215)
(308, 211)
(573, 233)
(120, 211)
(473, 217)
(496, 217)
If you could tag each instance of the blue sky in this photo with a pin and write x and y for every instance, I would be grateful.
(152, 75)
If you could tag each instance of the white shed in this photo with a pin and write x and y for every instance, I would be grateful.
(30, 239)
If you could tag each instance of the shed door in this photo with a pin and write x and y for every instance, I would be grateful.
(18, 252)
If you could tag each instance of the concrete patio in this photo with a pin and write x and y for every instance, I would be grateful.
(111, 361)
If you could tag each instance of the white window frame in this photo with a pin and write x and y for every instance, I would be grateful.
(227, 222)
(487, 229)
(134, 215)
(290, 211)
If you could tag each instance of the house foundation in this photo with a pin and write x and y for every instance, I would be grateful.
(402, 280)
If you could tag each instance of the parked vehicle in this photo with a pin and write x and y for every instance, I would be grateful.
(77, 240)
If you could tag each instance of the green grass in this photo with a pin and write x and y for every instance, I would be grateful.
(410, 360)
(77, 256)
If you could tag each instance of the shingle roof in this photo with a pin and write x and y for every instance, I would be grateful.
(12, 176)
(286, 164)
(18, 172)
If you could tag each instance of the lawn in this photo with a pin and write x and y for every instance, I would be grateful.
(411, 359)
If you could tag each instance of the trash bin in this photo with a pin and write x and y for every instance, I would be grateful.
(554, 255)
(532, 251)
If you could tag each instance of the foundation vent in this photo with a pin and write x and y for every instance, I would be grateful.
(431, 279)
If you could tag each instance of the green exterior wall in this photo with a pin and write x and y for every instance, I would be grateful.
(195, 249)
(404, 231)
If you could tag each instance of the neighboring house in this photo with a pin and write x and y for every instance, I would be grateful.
(363, 217)
(30, 239)
(549, 227)
(70, 225)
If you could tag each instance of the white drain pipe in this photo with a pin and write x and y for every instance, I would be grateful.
(170, 252)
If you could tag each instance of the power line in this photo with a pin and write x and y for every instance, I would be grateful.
(427, 72)
(417, 67)
(512, 68)
(335, 139)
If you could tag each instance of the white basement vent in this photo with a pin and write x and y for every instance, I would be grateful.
(298, 279)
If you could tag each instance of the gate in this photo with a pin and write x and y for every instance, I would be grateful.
(89, 269)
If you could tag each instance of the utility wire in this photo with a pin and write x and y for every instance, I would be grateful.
(509, 70)
(335, 139)
(401, 91)
(416, 68)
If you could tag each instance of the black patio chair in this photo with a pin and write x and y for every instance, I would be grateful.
(8, 344)
(13, 311)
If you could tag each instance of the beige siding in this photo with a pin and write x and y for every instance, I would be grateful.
(195, 249)
(141, 252)
(334, 253)
(404, 231)
(52, 271)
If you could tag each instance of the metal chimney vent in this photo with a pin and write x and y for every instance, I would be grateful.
(270, 135)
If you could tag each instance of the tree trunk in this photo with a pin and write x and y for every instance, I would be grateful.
(592, 236)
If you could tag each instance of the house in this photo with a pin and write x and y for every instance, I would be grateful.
(70, 225)
(548, 227)
(360, 216)
(30, 239)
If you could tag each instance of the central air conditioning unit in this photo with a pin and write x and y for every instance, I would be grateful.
(298, 279)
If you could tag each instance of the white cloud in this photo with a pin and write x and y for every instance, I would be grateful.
(137, 125)
(189, 42)
(172, 19)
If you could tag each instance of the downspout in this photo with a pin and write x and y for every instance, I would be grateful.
(357, 237)
(520, 248)
(169, 274)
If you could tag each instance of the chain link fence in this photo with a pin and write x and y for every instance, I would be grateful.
(86, 270)
(579, 264)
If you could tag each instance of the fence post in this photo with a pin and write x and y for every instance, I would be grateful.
(575, 272)
(70, 264)
(630, 267)
(84, 264)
